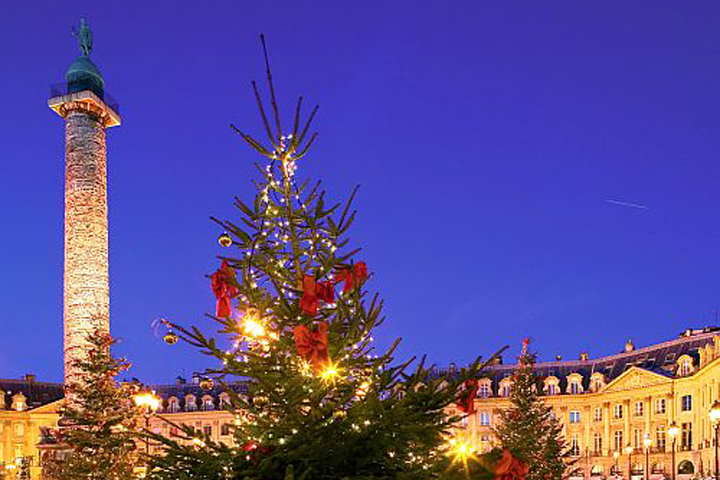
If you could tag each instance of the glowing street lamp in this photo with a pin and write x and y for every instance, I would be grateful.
(673, 431)
(715, 420)
(149, 403)
(647, 441)
(629, 451)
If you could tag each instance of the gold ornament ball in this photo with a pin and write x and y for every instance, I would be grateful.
(339, 414)
(260, 400)
(207, 384)
(225, 240)
(170, 338)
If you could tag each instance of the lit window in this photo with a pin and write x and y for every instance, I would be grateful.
(574, 417)
(686, 403)
(598, 415)
(574, 446)
(685, 368)
(618, 441)
(660, 438)
(686, 434)
(597, 444)
(207, 430)
(484, 418)
(484, 390)
(638, 409)
(660, 406)
(618, 411)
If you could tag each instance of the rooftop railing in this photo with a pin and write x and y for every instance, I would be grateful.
(66, 88)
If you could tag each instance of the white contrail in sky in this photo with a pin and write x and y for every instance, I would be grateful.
(626, 204)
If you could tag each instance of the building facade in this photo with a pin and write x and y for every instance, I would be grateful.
(610, 405)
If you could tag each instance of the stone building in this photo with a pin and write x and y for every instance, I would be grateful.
(610, 403)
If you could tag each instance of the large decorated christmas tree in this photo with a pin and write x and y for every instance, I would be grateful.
(293, 304)
(100, 420)
(528, 428)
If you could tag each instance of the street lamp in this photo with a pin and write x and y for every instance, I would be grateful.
(673, 431)
(647, 441)
(629, 450)
(616, 456)
(149, 403)
(715, 419)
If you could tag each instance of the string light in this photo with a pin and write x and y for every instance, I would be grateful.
(330, 373)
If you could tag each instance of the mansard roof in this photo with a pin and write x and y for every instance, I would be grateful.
(660, 359)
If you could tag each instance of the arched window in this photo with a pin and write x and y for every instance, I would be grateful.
(208, 403)
(190, 403)
(686, 467)
(173, 405)
(657, 468)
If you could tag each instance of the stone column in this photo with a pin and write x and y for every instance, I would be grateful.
(86, 287)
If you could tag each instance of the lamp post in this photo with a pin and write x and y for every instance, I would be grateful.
(715, 419)
(616, 456)
(647, 441)
(149, 403)
(673, 431)
(629, 450)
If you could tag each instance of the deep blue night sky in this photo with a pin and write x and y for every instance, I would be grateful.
(487, 137)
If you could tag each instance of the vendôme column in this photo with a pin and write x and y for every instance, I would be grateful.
(88, 111)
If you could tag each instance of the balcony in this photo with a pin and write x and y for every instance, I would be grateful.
(67, 88)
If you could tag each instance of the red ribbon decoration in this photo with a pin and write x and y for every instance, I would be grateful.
(466, 401)
(313, 292)
(510, 468)
(353, 276)
(223, 288)
(313, 345)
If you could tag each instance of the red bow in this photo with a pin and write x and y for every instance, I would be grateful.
(510, 468)
(313, 292)
(313, 345)
(223, 288)
(353, 276)
(466, 401)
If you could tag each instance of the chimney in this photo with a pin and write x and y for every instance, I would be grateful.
(629, 346)
(180, 380)
(195, 378)
(584, 356)
(29, 377)
(558, 358)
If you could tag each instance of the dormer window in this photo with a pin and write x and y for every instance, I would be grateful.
(207, 403)
(552, 385)
(574, 388)
(190, 403)
(505, 387)
(685, 366)
(552, 389)
(173, 405)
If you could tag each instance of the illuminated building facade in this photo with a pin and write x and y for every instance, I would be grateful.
(613, 406)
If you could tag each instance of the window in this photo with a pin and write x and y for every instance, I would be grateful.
(685, 368)
(484, 419)
(552, 389)
(574, 417)
(660, 406)
(686, 442)
(598, 384)
(207, 430)
(598, 415)
(19, 429)
(575, 388)
(190, 403)
(174, 431)
(638, 409)
(618, 441)
(574, 446)
(225, 429)
(484, 390)
(686, 403)
(597, 444)
(660, 438)
(208, 403)
(637, 438)
(506, 390)
(617, 411)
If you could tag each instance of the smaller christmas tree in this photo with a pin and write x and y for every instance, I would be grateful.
(100, 418)
(528, 428)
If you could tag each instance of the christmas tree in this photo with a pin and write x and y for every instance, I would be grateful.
(99, 418)
(293, 306)
(528, 428)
